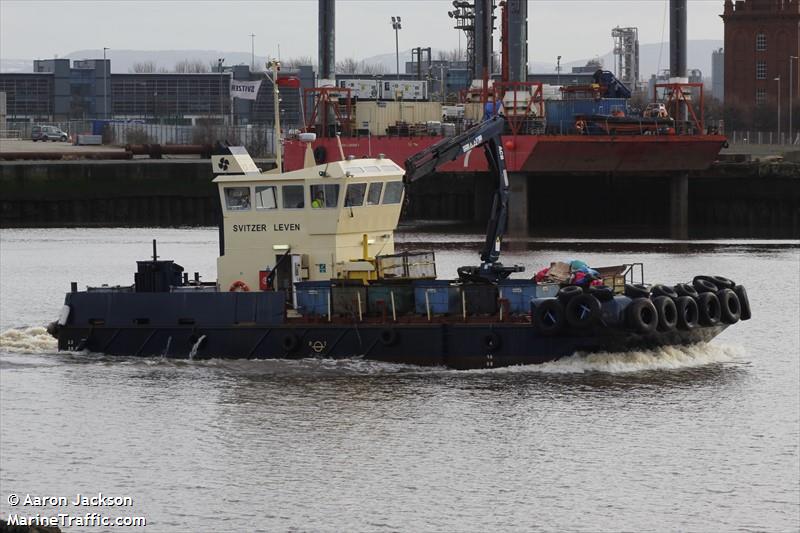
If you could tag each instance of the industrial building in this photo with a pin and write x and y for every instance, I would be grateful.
(762, 44)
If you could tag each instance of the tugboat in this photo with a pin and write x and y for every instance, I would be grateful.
(307, 267)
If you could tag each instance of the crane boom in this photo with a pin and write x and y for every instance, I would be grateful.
(486, 134)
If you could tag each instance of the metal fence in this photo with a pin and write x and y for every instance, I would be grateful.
(259, 139)
(764, 137)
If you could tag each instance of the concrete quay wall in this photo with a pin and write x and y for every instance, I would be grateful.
(728, 200)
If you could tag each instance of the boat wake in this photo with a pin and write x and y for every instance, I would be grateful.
(664, 358)
(32, 340)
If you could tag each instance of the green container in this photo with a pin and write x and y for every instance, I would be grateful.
(345, 298)
(403, 298)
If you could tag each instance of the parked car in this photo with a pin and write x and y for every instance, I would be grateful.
(48, 133)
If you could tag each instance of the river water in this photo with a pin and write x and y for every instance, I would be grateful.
(703, 438)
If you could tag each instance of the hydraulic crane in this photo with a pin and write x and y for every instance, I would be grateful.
(486, 134)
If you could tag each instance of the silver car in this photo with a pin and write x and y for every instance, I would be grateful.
(48, 133)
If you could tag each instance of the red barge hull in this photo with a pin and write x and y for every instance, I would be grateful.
(542, 153)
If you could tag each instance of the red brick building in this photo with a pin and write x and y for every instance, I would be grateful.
(761, 36)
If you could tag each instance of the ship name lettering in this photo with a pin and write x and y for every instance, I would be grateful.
(249, 227)
(287, 227)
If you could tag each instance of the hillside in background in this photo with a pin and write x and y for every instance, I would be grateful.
(653, 57)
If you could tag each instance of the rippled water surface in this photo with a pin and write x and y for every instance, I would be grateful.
(703, 438)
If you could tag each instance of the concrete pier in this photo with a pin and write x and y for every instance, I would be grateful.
(518, 219)
(679, 206)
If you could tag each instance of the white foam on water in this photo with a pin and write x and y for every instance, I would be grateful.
(28, 340)
(664, 358)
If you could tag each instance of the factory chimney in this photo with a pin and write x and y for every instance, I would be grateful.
(517, 35)
(483, 38)
(327, 40)
(677, 38)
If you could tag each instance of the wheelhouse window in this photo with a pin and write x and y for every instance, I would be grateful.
(761, 42)
(355, 195)
(237, 198)
(266, 197)
(325, 196)
(393, 193)
(293, 197)
(374, 193)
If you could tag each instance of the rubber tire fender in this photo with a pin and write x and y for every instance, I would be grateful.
(719, 281)
(688, 313)
(290, 342)
(686, 289)
(744, 302)
(667, 313)
(642, 316)
(663, 290)
(565, 294)
(637, 290)
(388, 336)
(602, 293)
(703, 285)
(548, 318)
(709, 309)
(492, 341)
(583, 311)
(730, 308)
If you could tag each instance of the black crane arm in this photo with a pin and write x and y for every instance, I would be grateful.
(486, 134)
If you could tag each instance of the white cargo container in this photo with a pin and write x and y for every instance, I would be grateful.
(404, 90)
(361, 89)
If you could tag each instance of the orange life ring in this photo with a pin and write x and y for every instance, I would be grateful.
(237, 285)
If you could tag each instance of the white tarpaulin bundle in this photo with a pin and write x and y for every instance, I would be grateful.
(247, 90)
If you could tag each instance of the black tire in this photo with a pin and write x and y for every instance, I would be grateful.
(602, 293)
(388, 337)
(744, 302)
(320, 155)
(492, 341)
(290, 342)
(642, 316)
(583, 311)
(637, 290)
(667, 313)
(708, 309)
(565, 294)
(703, 285)
(729, 306)
(63, 139)
(688, 314)
(548, 317)
(686, 289)
(664, 290)
(719, 281)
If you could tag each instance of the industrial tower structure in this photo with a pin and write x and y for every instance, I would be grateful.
(626, 55)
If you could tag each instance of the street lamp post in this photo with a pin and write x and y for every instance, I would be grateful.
(397, 27)
(105, 84)
(219, 68)
(252, 52)
(558, 70)
(791, 95)
(778, 79)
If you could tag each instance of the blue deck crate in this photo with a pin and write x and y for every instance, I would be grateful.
(312, 297)
(520, 292)
(443, 297)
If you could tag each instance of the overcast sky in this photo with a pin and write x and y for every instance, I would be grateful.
(574, 29)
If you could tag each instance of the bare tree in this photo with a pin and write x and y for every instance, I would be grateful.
(143, 67)
(452, 55)
(353, 66)
(296, 62)
(191, 66)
